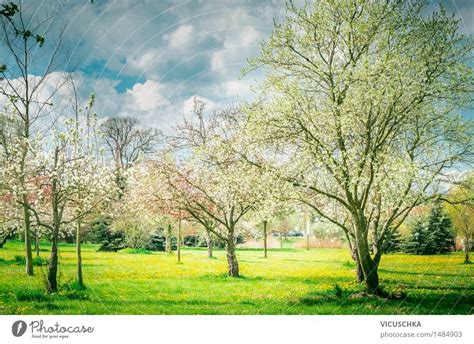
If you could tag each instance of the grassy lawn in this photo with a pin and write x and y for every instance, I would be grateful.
(288, 282)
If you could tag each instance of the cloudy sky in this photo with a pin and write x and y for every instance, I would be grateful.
(149, 58)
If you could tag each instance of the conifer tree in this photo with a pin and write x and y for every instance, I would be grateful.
(416, 242)
(432, 234)
(392, 241)
(440, 237)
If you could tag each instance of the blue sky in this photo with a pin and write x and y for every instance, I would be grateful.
(149, 58)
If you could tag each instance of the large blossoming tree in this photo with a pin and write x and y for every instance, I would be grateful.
(359, 112)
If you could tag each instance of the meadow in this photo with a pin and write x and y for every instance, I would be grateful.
(290, 281)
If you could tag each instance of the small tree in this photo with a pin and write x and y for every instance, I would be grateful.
(272, 206)
(92, 187)
(460, 207)
(22, 81)
(71, 183)
(208, 182)
(132, 214)
(141, 202)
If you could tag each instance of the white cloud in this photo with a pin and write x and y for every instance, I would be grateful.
(218, 59)
(144, 61)
(170, 40)
(180, 49)
(51, 93)
(244, 38)
(147, 96)
(180, 35)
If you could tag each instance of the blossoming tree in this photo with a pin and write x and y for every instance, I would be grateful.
(207, 181)
(73, 181)
(358, 112)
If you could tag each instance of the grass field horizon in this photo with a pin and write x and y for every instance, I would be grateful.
(290, 281)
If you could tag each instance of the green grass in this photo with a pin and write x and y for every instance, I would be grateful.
(319, 281)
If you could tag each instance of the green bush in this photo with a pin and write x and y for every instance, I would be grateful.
(194, 241)
(101, 233)
(40, 261)
(37, 261)
(20, 260)
(157, 241)
(136, 251)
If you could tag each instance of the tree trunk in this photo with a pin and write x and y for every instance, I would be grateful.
(53, 262)
(307, 232)
(368, 266)
(3, 241)
(265, 239)
(209, 244)
(178, 247)
(281, 240)
(120, 179)
(353, 248)
(467, 251)
(28, 253)
(37, 242)
(359, 272)
(80, 281)
(232, 262)
(168, 240)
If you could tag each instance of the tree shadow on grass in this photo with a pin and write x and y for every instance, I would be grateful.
(311, 261)
(404, 272)
(430, 287)
(74, 264)
(223, 277)
(414, 303)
